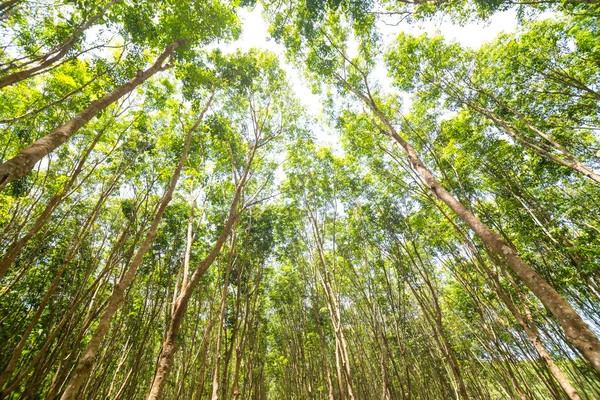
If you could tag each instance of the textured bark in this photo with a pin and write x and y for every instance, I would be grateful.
(534, 337)
(116, 298)
(22, 164)
(525, 320)
(576, 330)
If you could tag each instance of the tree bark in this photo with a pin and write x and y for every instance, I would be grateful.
(534, 337)
(576, 330)
(86, 361)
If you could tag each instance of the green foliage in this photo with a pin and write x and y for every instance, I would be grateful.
(340, 270)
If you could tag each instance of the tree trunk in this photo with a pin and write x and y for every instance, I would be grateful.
(22, 164)
(572, 162)
(576, 330)
(13, 251)
(74, 246)
(170, 343)
(117, 296)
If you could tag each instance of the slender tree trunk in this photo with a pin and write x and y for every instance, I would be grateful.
(336, 318)
(323, 349)
(13, 251)
(170, 343)
(572, 162)
(575, 328)
(527, 323)
(203, 354)
(22, 164)
(216, 373)
(434, 318)
(86, 361)
(75, 244)
(534, 337)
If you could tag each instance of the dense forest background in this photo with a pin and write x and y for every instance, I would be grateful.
(172, 228)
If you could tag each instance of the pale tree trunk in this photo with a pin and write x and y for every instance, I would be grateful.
(525, 321)
(533, 335)
(215, 380)
(216, 371)
(504, 360)
(335, 313)
(576, 330)
(239, 350)
(116, 298)
(436, 315)
(572, 161)
(122, 360)
(55, 55)
(236, 336)
(433, 315)
(74, 246)
(170, 342)
(22, 164)
(203, 355)
(247, 336)
(13, 251)
(37, 361)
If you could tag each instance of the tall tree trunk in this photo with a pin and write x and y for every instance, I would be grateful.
(74, 246)
(86, 361)
(335, 313)
(524, 320)
(170, 343)
(322, 346)
(199, 389)
(13, 251)
(215, 380)
(533, 335)
(575, 328)
(22, 164)
(572, 162)
(222, 306)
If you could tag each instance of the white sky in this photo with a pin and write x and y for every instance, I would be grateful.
(255, 34)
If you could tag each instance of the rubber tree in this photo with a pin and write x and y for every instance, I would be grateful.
(256, 95)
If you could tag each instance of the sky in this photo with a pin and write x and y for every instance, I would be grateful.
(255, 35)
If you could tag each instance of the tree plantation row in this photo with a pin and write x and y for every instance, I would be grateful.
(172, 228)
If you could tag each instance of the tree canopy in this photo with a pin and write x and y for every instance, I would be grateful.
(173, 226)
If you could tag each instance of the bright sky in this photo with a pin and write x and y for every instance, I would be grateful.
(255, 34)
